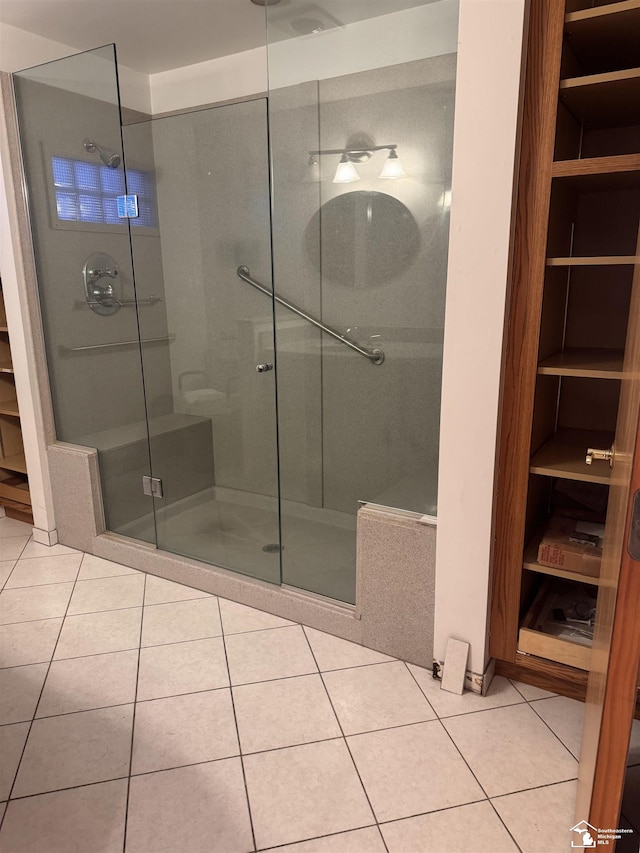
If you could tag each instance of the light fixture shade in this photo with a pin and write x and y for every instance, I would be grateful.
(312, 175)
(445, 200)
(346, 172)
(393, 167)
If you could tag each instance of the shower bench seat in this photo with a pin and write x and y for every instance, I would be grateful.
(181, 454)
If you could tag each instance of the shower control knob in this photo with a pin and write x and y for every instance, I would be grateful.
(263, 368)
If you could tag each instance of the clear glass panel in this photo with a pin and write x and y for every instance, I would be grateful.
(69, 117)
(211, 414)
(362, 246)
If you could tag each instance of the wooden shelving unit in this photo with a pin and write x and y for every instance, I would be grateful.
(594, 363)
(600, 99)
(564, 454)
(14, 484)
(576, 257)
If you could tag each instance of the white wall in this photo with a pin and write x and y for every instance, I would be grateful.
(223, 79)
(20, 49)
(484, 157)
(24, 364)
(361, 46)
(400, 37)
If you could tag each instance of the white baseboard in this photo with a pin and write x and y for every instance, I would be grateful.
(45, 537)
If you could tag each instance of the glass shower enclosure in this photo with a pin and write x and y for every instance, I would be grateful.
(243, 304)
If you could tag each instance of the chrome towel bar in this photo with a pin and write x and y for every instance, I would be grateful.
(167, 339)
(375, 356)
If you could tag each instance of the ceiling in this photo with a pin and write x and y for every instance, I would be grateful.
(158, 35)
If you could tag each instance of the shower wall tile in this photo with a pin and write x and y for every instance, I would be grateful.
(213, 204)
(396, 584)
(359, 431)
(91, 391)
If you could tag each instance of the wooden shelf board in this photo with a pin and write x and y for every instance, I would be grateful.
(592, 363)
(596, 261)
(10, 407)
(530, 562)
(621, 171)
(3, 328)
(605, 37)
(563, 456)
(6, 367)
(611, 99)
(533, 640)
(14, 463)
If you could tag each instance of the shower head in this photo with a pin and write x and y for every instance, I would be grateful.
(265, 2)
(110, 160)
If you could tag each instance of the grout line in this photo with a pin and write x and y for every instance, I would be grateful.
(406, 665)
(133, 724)
(235, 720)
(69, 788)
(6, 580)
(344, 740)
(31, 724)
(534, 788)
(40, 585)
(503, 822)
(512, 683)
(318, 837)
(558, 738)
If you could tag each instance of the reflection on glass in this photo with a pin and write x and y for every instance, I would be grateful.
(93, 357)
(370, 263)
(211, 414)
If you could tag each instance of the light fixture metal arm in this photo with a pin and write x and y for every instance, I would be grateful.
(375, 356)
(354, 150)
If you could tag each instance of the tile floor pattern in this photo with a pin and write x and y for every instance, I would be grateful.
(142, 716)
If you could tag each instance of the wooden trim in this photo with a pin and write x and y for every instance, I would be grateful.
(547, 675)
(597, 79)
(612, 693)
(596, 261)
(597, 166)
(603, 11)
(551, 676)
(521, 357)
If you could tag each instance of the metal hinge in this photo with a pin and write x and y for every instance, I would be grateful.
(152, 487)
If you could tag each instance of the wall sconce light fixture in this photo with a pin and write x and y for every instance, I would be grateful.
(347, 172)
(312, 175)
(393, 167)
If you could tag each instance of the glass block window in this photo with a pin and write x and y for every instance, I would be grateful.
(87, 192)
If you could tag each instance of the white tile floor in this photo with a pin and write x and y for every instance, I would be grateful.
(142, 716)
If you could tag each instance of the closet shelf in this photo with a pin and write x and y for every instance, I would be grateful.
(530, 562)
(596, 173)
(596, 261)
(563, 456)
(6, 367)
(533, 639)
(14, 463)
(15, 490)
(593, 363)
(611, 99)
(605, 36)
(9, 407)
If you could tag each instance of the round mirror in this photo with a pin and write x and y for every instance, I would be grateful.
(362, 239)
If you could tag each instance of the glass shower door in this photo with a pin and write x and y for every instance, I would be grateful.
(361, 105)
(211, 401)
(69, 117)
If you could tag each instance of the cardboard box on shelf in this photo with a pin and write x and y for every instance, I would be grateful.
(575, 546)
